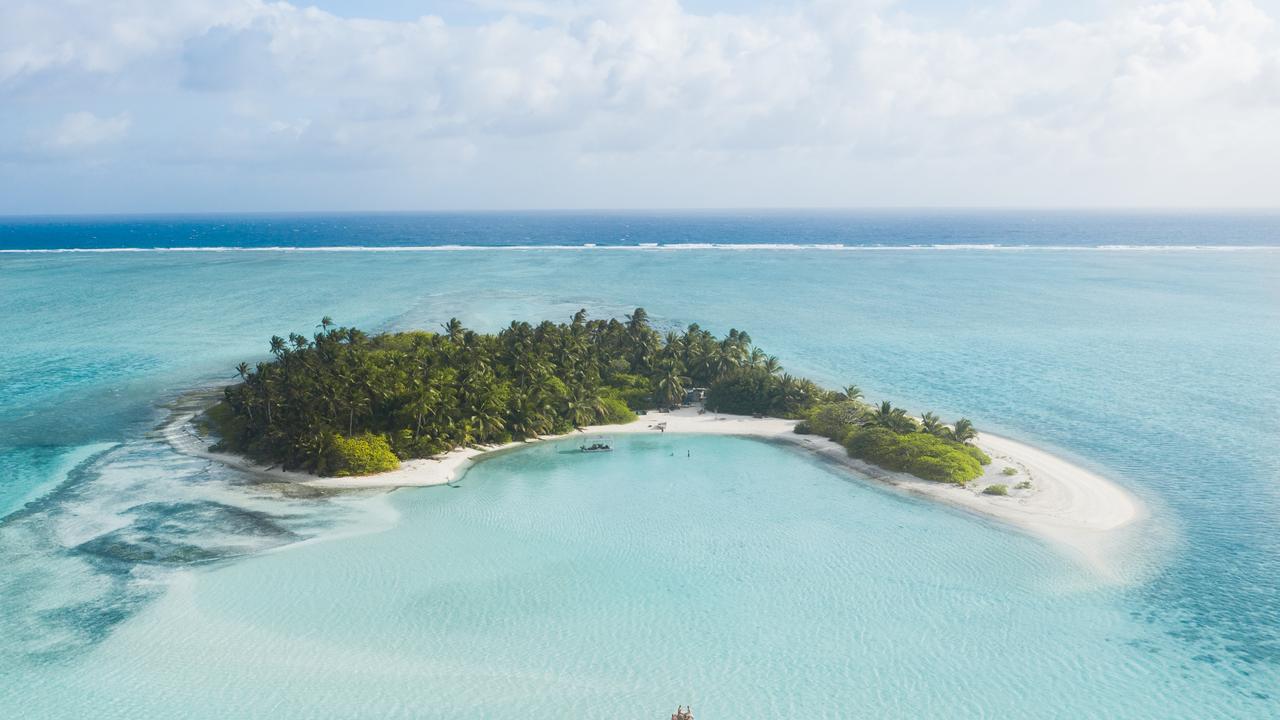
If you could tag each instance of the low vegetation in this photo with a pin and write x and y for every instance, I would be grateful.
(996, 489)
(888, 437)
(346, 403)
(361, 455)
(1009, 470)
(1024, 485)
(921, 454)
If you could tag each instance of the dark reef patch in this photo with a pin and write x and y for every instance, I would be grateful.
(184, 533)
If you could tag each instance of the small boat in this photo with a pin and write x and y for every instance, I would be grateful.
(595, 447)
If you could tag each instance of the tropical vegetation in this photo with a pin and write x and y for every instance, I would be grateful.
(887, 436)
(343, 402)
(346, 402)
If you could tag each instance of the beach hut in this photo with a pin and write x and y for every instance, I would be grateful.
(695, 395)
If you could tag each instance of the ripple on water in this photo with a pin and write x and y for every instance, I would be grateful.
(745, 578)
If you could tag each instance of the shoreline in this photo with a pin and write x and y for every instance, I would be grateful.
(1073, 509)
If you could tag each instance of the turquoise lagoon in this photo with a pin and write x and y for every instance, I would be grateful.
(746, 578)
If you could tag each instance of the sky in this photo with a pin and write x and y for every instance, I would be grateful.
(132, 106)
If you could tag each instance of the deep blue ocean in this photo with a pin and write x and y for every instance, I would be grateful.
(888, 228)
(139, 583)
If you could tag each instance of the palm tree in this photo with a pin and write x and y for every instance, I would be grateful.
(891, 418)
(641, 340)
(453, 329)
(771, 365)
(882, 414)
(718, 361)
(584, 408)
(326, 322)
(852, 392)
(733, 352)
(931, 424)
(790, 394)
(963, 431)
(671, 387)
(637, 321)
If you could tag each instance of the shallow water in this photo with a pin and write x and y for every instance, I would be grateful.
(1158, 368)
(747, 579)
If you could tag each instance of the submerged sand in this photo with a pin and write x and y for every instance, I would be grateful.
(1075, 509)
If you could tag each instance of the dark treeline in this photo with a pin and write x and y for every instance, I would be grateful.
(344, 402)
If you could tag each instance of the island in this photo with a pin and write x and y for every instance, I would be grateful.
(347, 409)
(346, 403)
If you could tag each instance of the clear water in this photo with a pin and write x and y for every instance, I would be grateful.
(139, 583)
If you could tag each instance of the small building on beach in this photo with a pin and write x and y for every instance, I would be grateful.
(695, 395)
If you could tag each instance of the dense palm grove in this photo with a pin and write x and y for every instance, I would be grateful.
(343, 402)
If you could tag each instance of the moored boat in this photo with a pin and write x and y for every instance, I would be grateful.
(595, 447)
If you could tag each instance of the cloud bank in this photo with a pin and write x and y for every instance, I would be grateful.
(221, 105)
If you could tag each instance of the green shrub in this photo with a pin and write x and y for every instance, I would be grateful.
(616, 411)
(996, 489)
(803, 428)
(976, 454)
(634, 390)
(1024, 485)
(406, 446)
(835, 420)
(920, 454)
(1010, 470)
(742, 392)
(361, 455)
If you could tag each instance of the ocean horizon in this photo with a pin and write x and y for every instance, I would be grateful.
(673, 229)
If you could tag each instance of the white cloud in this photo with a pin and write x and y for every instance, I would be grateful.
(82, 129)
(827, 103)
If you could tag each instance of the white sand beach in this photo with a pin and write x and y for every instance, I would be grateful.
(1073, 508)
